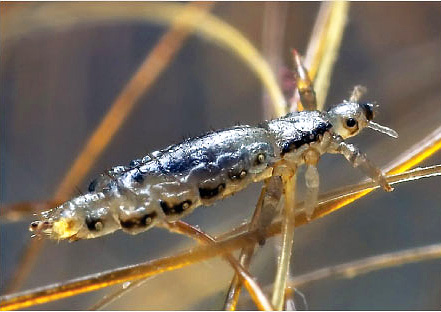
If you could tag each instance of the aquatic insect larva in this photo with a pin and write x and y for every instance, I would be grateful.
(169, 184)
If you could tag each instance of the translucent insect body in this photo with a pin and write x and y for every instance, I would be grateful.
(169, 184)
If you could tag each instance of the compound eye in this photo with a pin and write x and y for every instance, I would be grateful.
(351, 122)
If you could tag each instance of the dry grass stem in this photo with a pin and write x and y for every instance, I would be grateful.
(331, 196)
(324, 64)
(323, 47)
(18, 211)
(333, 38)
(183, 228)
(273, 32)
(366, 265)
(327, 200)
(113, 296)
(406, 176)
(288, 224)
(316, 44)
(330, 43)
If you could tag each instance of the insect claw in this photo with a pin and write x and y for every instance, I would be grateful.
(384, 184)
(387, 187)
(308, 216)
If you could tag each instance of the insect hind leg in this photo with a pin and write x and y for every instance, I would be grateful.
(270, 205)
(312, 180)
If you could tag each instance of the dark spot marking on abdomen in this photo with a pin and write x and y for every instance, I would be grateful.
(208, 193)
(237, 174)
(141, 222)
(178, 209)
(94, 224)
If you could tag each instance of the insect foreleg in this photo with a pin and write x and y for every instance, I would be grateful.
(358, 159)
(312, 180)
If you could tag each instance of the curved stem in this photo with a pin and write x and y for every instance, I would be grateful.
(210, 28)
(369, 264)
(288, 224)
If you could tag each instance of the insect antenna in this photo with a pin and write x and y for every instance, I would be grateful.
(357, 93)
(383, 129)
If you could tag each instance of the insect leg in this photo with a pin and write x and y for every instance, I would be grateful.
(266, 210)
(312, 180)
(274, 190)
(358, 159)
(304, 84)
(288, 224)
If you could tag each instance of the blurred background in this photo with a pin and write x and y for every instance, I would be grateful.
(57, 84)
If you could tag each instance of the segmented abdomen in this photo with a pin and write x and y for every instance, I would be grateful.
(172, 182)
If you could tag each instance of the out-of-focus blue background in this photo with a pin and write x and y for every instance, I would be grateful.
(57, 85)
